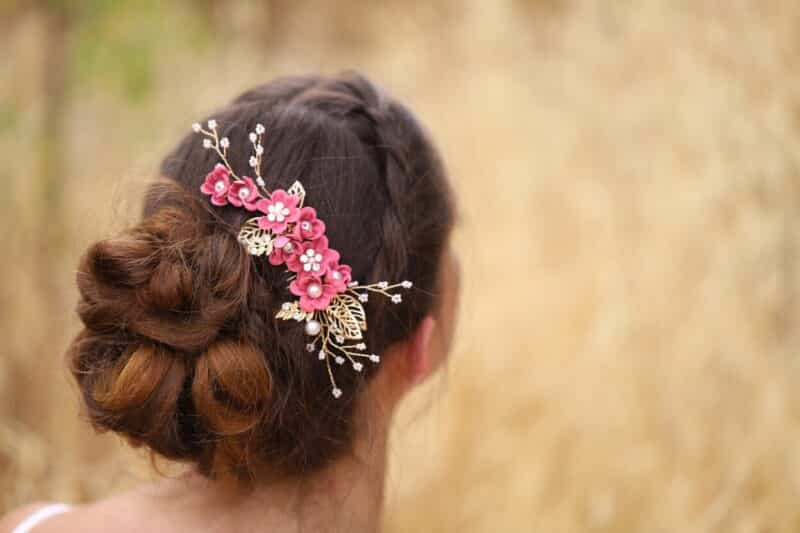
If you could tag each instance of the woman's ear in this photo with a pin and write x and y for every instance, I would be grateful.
(419, 361)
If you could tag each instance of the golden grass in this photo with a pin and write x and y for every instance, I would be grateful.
(628, 179)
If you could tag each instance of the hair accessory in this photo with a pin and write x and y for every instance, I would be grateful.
(290, 234)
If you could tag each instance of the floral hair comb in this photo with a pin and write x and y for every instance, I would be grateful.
(329, 301)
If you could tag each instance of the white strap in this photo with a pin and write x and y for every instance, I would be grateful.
(41, 515)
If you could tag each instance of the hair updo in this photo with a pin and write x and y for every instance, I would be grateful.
(180, 351)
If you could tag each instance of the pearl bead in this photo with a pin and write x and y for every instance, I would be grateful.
(312, 327)
(336, 275)
(314, 290)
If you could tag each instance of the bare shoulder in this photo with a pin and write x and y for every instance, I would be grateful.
(121, 510)
(16, 516)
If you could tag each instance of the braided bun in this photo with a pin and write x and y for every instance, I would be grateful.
(180, 351)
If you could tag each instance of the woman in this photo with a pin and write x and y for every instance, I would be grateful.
(225, 331)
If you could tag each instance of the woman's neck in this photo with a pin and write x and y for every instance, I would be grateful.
(347, 496)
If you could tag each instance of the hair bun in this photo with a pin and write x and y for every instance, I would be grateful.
(155, 302)
(172, 279)
(231, 393)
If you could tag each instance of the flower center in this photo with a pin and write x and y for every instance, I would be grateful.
(311, 260)
(277, 212)
(314, 290)
(219, 186)
(306, 225)
(244, 192)
(336, 275)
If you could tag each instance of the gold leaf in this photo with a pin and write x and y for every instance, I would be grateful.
(297, 190)
(257, 241)
(346, 317)
(292, 311)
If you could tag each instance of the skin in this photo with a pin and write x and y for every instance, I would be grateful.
(348, 496)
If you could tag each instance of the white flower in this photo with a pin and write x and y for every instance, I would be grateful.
(312, 261)
(336, 392)
(224, 142)
(361, 346)
(259, 149)
(253, 161)
(321, 355)
(339, 360)
(358, 367)
(339, 339)
(310, 347)
(375, 358)
(196, 127)
(212, 124)
(397, 298)
(206, 143)
(253, 137)
(363, 298)
(259, 128)
(260, 181)
(286, 306)
(383, 284)
(407, 284)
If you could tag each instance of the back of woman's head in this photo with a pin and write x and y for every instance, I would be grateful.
(180, 349)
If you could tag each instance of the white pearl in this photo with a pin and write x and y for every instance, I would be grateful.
(336, 275)
(314, 290)
(312, 327)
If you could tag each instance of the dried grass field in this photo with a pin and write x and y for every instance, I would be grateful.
(629, 184)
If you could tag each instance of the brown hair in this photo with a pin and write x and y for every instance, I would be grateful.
(180, 351)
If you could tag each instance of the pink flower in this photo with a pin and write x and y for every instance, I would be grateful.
(308, 226)
(280, 209)
(244, 193)
(217, 185)
(338, 276)
(283, 248)
(314, 294)
(313, 257)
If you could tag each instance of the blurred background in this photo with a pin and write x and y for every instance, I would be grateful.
(628, 177)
